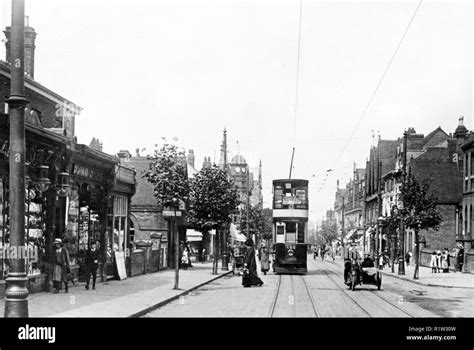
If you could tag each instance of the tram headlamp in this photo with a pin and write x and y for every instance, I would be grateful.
(290, 253)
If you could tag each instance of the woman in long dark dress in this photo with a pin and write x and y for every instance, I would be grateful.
(251, 278)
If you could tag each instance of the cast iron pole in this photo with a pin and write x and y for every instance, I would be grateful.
(401, 257)
(16, 294)
(176, 250)
(225, 256)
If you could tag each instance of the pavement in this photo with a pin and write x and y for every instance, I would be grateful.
(131, 297)
(427, 278)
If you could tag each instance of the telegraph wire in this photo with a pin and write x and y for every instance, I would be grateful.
(381, 79)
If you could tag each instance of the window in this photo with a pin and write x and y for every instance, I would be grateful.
(120, 227)
(301, 227)
(471, 167)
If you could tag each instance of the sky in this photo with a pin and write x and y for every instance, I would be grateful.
(142, 70)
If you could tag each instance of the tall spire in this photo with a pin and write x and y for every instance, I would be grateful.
(223, 157)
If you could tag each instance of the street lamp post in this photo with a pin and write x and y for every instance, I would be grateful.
(176, 243)
(401, 257)
(16, 294)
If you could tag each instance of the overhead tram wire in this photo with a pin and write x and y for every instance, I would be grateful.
(297, 85)
(381, 79)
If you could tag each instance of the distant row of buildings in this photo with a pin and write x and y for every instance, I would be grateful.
(443, 159)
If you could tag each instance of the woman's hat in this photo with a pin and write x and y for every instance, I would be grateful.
(58, 240)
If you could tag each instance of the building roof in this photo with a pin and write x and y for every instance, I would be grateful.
(445, 178)
(38, 88)
(238, 159)
(435, 137)
(144, 191)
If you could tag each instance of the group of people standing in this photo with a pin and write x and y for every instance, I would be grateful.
(441, 261)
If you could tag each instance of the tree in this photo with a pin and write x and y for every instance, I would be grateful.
(328, 233)
(213, 198)
(168, 175)
(390, 225)
(258, 224)
(419, 211)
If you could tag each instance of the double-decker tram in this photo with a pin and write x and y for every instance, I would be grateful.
(290, 225)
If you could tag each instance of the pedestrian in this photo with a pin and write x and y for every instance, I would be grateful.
(187, 247)
(203, 256)
(185, 259)
(407, 257)
(61, 266)
(91, 263)
(433, 262)
(445, 261)
(460, 257)
(438, 261)
(264, 257)
(250, 277)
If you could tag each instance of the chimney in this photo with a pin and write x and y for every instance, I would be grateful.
(30, 38)
(191, 157)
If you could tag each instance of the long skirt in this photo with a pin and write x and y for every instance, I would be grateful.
(59, 273)
(251, 279)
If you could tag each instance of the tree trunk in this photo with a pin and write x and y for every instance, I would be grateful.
(392, 253)
(176, 253)
(216, 255)
(416, 256)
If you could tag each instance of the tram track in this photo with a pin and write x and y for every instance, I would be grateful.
(346, 293)
(310, 297)
(388, 301)
(293, 299)
(273, 305)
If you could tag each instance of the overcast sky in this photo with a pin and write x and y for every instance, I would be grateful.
(143, 70)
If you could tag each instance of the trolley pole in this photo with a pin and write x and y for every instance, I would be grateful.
(401, 257)
(16, 294)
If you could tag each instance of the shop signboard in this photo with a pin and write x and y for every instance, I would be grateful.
(120, 261)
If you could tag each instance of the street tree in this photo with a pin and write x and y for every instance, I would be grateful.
(258, 223)
(390, 226)
(213, 199)
(168, 175)
(328, 233)
(419, 211)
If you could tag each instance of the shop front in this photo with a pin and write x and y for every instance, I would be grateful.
(72, 192)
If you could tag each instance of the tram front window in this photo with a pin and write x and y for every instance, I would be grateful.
(290, 232)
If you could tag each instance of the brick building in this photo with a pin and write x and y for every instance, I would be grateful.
(74, 192)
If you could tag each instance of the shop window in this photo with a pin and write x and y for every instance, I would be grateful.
(72, 224)
(117, 226)
(35, 228)
(3, 226)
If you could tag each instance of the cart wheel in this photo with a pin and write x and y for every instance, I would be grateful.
(353, 282)
(379, 281)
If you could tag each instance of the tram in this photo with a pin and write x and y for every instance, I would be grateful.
(290, 225)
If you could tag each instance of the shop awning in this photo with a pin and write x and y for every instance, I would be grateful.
(353, 234)
(193, 235)
(236, 235)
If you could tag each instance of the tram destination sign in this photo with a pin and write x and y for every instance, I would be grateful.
(167, 213)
